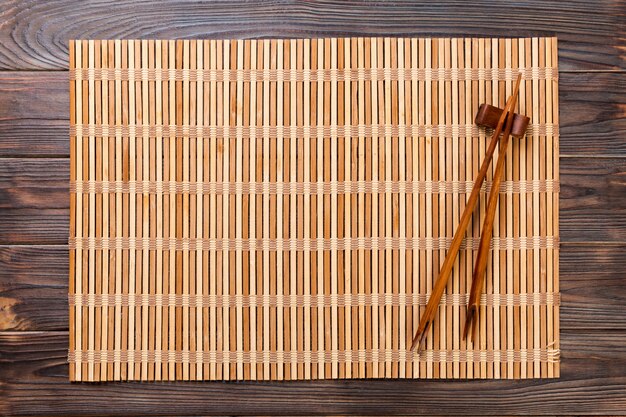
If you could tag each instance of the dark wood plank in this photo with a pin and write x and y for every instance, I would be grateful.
(33, 288)
(34, 285)
(34, 201)
(593, 294)
(592, 109)
(592, 381)
(35, 116)
(34, 183)
(35, 34)
(34, 120)
(593, 200)
(34, 226)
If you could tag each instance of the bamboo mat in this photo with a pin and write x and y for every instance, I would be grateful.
(279, 209)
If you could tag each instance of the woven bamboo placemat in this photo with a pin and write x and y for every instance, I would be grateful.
(279, 209)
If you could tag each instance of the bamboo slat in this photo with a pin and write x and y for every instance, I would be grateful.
(279, 209)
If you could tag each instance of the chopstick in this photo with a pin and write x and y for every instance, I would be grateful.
(478, 278)
(444, 275)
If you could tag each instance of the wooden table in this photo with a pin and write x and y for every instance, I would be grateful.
(34, 199)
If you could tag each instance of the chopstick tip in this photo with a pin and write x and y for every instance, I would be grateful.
(418, 339)
(414, 344)
(469, 319)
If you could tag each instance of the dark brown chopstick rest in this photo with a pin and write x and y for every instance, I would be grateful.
(489, 115)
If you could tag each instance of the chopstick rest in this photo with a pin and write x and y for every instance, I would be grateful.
(488, 116)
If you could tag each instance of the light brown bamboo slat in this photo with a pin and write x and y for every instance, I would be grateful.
(279, 209)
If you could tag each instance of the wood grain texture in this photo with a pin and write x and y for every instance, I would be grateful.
(593, 200)
(35, 119)
(35, 113)
(35, 34)
(28, 226)
(593, 113)
(592, 381)
(34, 183)
(33, 287)
(593, 272)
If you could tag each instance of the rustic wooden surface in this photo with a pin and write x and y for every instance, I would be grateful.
(34, 205)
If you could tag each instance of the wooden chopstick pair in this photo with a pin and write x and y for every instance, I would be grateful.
(505, 122)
